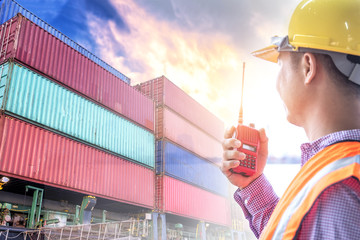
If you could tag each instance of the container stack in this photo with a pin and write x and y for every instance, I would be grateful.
(68, 119)
(189, 182)
(10, 8)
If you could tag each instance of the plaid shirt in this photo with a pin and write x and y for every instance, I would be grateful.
(334, 215)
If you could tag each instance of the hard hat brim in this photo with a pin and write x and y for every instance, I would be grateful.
(269, 53)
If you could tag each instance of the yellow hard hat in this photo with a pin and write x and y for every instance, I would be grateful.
(325, 25)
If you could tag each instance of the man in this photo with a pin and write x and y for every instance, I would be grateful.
(319, 83)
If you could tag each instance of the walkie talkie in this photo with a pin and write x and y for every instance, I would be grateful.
(250, 142)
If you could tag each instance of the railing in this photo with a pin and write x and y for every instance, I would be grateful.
(17, 234)
(130, 229)
(175, 235)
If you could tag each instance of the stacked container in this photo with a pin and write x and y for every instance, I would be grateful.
(38, 155)
(188, 153)
(69, 122)
(26, 42)
(10, 8)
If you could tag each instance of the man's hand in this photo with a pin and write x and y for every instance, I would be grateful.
(231, 157)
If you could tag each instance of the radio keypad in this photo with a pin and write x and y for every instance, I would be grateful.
(248, 162)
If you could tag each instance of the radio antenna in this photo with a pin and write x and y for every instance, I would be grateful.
(240, 120)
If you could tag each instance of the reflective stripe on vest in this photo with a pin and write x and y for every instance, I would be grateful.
(331, 165)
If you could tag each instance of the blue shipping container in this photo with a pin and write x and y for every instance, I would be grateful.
(9, 9)
(177, 162)
(33, 97)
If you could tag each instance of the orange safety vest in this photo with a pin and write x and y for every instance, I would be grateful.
(329, 166)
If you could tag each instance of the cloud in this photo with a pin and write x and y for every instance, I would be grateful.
(201, 47)
(249, 23)
(205, 65)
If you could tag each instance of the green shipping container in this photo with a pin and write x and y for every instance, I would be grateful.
(34, 98)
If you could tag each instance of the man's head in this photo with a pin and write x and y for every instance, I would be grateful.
(323, 43)
(330, 27)
(306, 79)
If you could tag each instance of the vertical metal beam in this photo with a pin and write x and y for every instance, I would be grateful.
(77, 215)
(34, 215)
(155, 225)
(39, 206)
(163, 228)
(104, 216)
(203, 230)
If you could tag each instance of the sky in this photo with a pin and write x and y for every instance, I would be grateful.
(199, 45)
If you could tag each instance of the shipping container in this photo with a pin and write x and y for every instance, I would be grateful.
(179, 163)
(187, 200)
(166, 93)
(31, 45)
(175, 128)
(35, 154)
(37, 99)
(10, 8)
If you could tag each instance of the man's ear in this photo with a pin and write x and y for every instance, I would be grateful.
(308, 67)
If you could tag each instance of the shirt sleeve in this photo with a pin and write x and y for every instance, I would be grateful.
(257, 201)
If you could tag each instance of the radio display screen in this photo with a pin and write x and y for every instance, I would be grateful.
(248, 147)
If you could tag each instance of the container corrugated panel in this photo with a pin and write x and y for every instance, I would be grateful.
(10, 8)
(40, 100)
(175, 128)
(187, 200)
(176, 162)
(164, 92)
(26, 42)
(35, 154)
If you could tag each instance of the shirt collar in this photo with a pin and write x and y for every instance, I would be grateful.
(308, 150)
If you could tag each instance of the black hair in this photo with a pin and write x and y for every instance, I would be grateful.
(339, 78)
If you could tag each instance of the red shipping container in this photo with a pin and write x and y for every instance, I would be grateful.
(180, 131)
(26, 42)
(177, 197)
(35, 154)
(164, 92)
